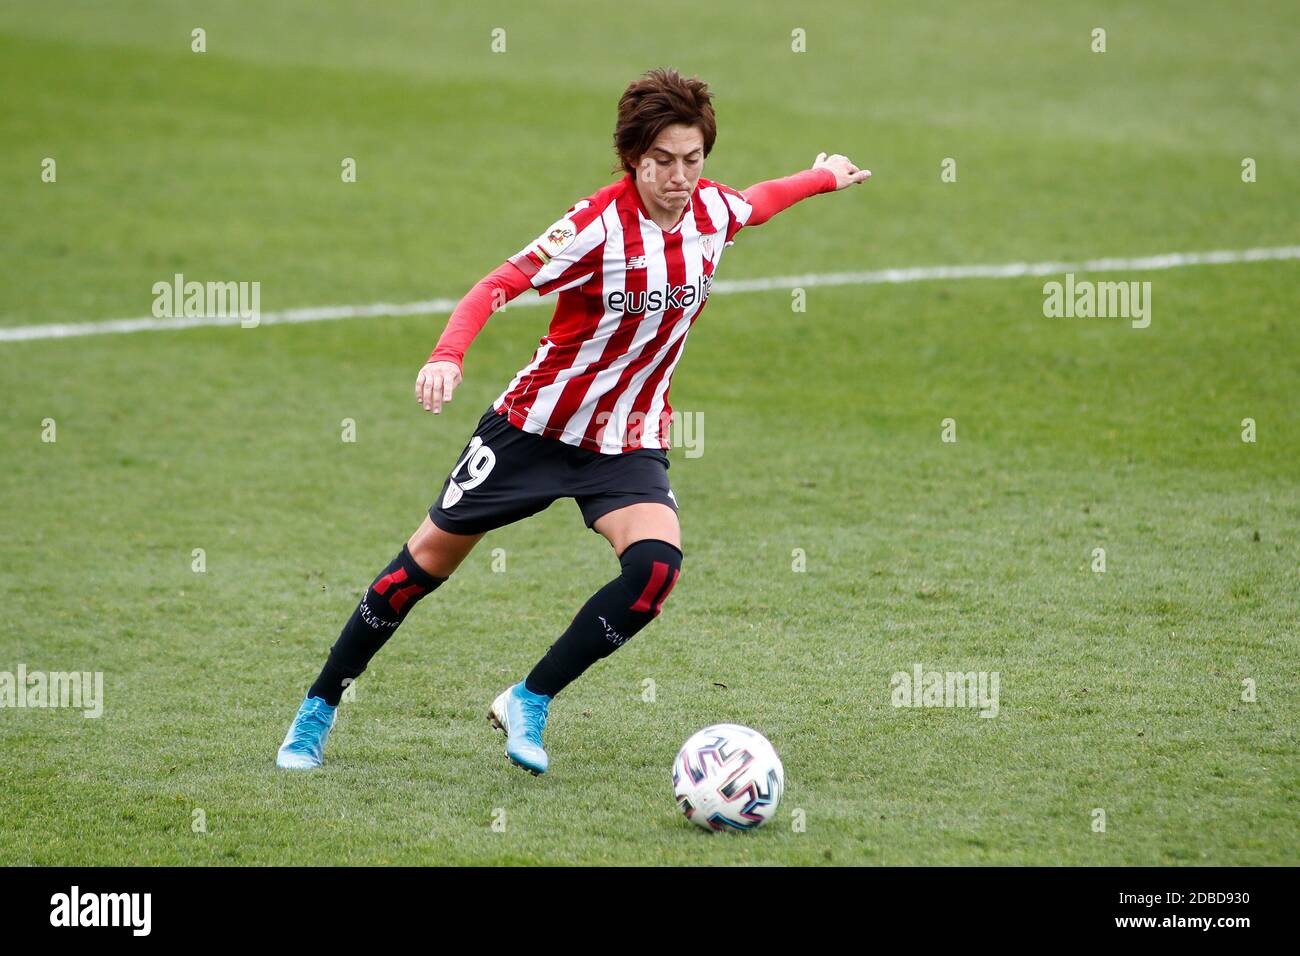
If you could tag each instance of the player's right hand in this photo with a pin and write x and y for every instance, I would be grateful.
(435, 384)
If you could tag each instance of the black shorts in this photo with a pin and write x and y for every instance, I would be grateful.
(506, 473)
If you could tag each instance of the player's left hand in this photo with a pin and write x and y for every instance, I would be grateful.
(846, 174)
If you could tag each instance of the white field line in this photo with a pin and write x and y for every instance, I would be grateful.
(1010, 270)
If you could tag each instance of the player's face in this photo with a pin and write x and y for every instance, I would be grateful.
(670, 168)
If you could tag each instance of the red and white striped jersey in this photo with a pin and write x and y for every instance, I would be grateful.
(629, 292)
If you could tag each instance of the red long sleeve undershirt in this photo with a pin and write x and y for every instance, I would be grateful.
(489, 294)
(769, 198)
(504, 283)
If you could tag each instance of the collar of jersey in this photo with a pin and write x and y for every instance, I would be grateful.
(644, 213)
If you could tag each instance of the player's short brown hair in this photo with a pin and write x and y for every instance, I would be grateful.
(658, 99)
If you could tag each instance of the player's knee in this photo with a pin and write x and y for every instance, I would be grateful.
(650, 569)
(439, 552)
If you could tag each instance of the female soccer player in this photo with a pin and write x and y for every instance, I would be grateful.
(587, 418)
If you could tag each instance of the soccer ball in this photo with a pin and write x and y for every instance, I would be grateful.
(728, 777)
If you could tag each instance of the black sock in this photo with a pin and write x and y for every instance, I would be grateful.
(611, 616)
(384, 605)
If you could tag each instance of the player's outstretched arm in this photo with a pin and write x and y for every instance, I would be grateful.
(437, 381)
(828, 174)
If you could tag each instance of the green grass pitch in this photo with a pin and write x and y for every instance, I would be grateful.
(1120, 691)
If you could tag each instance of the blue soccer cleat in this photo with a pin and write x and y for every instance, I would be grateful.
(521, 714)
(304, 744)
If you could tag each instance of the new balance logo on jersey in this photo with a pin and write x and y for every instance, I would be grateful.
(636, 262)
(673, 297)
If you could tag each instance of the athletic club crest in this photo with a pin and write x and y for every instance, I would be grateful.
(706, 245)
(452, 495)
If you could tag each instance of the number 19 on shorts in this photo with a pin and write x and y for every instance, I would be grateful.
(478, 462)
